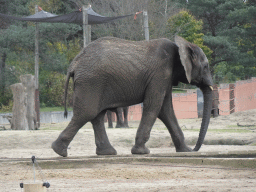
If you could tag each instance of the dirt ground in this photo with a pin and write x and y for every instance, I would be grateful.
(236, 132)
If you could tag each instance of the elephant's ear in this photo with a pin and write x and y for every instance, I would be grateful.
(185, 52)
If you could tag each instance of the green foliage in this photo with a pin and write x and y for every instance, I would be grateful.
(58, 45)
(185, 25)
(229, 28)
(225, 30)
(6, 108)
(6, 103)
(52, 89)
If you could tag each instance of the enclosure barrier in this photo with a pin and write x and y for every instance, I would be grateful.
(227, 99)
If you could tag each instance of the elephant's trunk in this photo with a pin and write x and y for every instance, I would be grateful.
(207, 92)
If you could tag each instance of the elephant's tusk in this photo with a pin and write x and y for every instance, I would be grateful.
(211, 88)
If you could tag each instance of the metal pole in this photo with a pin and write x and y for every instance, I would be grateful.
(37, 102)
(86, 27)
(146, 29)
(36, 52)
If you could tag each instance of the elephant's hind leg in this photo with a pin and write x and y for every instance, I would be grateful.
(61, 144)
(103, 146)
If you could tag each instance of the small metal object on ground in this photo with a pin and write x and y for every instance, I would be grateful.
(35, 187)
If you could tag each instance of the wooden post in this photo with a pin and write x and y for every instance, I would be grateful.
(19, 110)
(146, 29)
(215, 102)
(28, 81)
(86, 27)
(37, 101)
(232, 98)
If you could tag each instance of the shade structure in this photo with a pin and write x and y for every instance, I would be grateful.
(73, 17)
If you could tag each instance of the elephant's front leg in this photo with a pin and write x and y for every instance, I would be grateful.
(151, 107)
(103, 146)
(168, 117)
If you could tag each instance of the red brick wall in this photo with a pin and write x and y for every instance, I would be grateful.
(245, 95)
(185, 105)
(224, 106)
(135, 112)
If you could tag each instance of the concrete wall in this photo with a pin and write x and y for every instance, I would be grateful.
(4, 120)
(45, 117)
(55, 117)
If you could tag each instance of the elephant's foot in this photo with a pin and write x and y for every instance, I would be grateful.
(106, 151)
(140, 150)
(60, 148)
(119, 125)
(126, 125)
(184, 149)
(122, 126)
(110, 126)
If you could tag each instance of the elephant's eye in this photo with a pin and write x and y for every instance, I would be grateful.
(205, 68)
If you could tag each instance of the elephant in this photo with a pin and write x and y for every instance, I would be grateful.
(122, 121)
(112, 72)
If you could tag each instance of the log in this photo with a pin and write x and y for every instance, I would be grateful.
(19, 110)
(239, 125)
(28, 81)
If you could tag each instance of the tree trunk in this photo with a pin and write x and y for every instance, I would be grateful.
(28, 81)
(19, 110)
(2, 75)
(24, 115)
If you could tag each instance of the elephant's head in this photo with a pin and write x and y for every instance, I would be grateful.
(198, 73)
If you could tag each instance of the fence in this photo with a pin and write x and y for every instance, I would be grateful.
(240, 96)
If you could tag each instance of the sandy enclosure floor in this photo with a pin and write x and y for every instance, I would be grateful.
(223, 135)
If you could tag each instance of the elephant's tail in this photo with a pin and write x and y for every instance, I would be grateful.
(65, 95)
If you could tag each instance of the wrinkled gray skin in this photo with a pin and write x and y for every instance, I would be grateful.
(121, 120)
(111, 73)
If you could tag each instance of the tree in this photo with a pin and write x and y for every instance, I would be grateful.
(229, 28)
(17, 43)
(186, 26)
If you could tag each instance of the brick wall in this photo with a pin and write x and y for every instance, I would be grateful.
(224, 105)
(185, 104)
(245, 95)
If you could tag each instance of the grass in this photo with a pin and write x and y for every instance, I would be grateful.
(45, 109)
(179, 91)
(223, 130)
(49, 109)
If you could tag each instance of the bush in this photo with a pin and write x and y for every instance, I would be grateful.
(52, 86)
